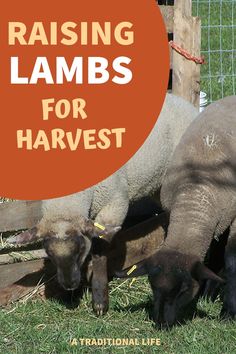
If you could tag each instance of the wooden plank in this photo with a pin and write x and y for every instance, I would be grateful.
(15, 292)
(187, 34)
(22, 256)
(31, 286)
(42, 281)
(10, 273)
(168, 16)
(137, 243)
(196, 73)
(19, 215)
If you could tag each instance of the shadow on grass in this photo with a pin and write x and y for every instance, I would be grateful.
(44, 282)
(188, 314)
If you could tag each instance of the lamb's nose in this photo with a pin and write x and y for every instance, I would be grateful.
(70, 286)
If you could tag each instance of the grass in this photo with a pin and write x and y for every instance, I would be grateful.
(48, 326)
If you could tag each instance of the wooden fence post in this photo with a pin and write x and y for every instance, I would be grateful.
(187, 34)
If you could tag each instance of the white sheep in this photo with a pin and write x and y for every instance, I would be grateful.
(107, 204)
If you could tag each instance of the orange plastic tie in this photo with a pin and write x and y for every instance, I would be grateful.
(184, 53)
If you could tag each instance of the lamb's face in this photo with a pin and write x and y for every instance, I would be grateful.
(175, 279)
(68, 254)
(65, 243)
(173, 291)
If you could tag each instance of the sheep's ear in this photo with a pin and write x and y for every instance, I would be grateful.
(28, 236)
(94, 229)
(111, 230)
(87, 227)
(201, 272)
(135, 271)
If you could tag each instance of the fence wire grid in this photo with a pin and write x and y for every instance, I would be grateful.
(218, 75)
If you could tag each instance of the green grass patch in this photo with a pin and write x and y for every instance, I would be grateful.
(49, 327)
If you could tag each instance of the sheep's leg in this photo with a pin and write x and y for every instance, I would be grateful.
(100, 250)
(229, 305)
(110, 218)
(100, 298)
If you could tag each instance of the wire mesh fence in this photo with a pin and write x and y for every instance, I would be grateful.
(218, 75)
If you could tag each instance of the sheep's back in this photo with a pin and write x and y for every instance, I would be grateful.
(145, 170)
(206, 158)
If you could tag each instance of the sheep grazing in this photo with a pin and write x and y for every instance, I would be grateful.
(69, 224)
(199, 191)
(172, 284)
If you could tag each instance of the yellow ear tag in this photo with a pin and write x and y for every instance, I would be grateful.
(132, 269)
(101, 236)
(101, 227)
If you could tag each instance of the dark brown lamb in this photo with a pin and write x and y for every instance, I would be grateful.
(199, 191)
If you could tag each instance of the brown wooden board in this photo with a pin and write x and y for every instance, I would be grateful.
(22, 256)
(187, 35)
(168, 17)
(10, 273)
